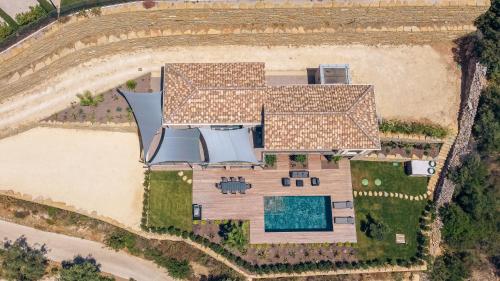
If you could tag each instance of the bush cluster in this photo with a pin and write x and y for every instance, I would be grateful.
(5, 30)
(416, 128)
(35, 13)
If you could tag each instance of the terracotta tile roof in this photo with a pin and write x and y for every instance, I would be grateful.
(321, 117)
(296, 117)
(213, 93)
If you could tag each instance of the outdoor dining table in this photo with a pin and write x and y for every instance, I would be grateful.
(233, 187)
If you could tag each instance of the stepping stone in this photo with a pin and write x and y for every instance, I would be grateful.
(401, 196)
(190, 181)
(369, 193)
(406, 196)
(429, 192)
(411, 198)
(421, 197)
(355, 193)
(180, 173)
(365, 193)
(417, 198)
(395, 164)
(425, 195)
(391, 194)
(184, 178)
(386, 194)
(380, 193)
(378, 182)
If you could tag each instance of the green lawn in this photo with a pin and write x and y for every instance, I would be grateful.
(401, 216)
(393, 178)
(170, 200)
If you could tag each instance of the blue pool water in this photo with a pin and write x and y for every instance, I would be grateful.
(297, 213)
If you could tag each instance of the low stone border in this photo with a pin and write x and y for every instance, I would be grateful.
(391, 195)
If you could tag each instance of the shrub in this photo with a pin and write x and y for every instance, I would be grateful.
(333, 158)
(131, 84)
(46, 5)
(35, 13)
(179, 269)
(120, 239)
(270, 160)
(88, 100)
(299, 158)
(83, 14)
(5, 30)
(96, 11)
(430, 130)
(21, 214)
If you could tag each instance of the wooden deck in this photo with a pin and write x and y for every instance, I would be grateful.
(250, 206)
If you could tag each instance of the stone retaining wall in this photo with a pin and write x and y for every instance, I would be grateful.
(466, 121)
(445, 187)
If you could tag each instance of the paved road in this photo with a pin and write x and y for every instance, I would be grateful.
(62, 247)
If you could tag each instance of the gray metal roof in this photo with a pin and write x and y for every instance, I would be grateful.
(147, 113)
(178, 145)
(228, 146)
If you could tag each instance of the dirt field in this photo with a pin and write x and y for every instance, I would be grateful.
(411, 82)
(93, 171)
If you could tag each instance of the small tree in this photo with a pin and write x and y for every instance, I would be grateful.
(131, 84)
(23, 262)
(373, 228)
(81, 268)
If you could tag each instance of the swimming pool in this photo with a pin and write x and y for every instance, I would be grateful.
(297, 213)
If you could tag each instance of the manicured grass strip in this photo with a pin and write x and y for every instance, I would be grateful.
(401, 216)
(8, 19)
(46, 5)
(170, 200)
(393, 178)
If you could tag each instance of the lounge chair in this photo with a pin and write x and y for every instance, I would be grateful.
(248, 186)
(242, 191)
(224, 179)
(196, 212)
(217, 185)
(343, 220)
(315, 181)
(241, 179)
(342, 205)
(233, 191)
(299, 183)
(285, 181)
(224, 191)
(232, 178)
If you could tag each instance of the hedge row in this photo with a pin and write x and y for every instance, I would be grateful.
(430, 130)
